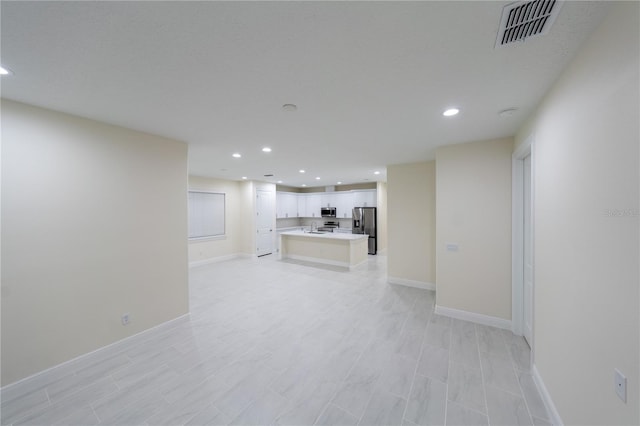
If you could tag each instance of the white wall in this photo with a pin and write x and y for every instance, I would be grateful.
(381, 192)
(586, 152)
(218, 248)
(94, 225)
(411, 223)
(473, 210)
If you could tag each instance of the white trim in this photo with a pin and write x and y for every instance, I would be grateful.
(552, 411)
(318, 260)
(158, 327)
(517, 232)
(207, 238)
(411, 283)
(211, 260)
(474, 317)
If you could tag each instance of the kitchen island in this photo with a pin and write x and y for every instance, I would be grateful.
(348, 250)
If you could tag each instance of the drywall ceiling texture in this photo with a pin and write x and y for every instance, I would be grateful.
(473, 212)
(370, 79)
(411, 211)
(94, 225)
(587, 186)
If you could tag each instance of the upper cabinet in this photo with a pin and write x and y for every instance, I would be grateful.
(365, 198)
(344, 204)
(286, 205)
(289, 204)
(302, 205)
(314, 202)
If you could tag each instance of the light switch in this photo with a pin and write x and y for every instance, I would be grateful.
(620, 382)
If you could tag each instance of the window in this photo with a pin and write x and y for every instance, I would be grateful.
(206, 214)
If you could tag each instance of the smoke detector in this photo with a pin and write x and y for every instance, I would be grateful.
(526, 19)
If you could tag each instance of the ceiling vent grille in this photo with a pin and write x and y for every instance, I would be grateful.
(526, 19)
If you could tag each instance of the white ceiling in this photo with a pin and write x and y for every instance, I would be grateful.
(370, 79)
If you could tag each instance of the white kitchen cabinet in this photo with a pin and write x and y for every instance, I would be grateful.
(344, 204)
(328, 199)
(365, 198)
(286, 205)
(314, 201)
(302, 205)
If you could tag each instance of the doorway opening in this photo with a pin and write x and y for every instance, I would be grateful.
(265, 212)
(523, 280)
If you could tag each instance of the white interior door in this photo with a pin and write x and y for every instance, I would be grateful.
(265, 212)
(527, 253)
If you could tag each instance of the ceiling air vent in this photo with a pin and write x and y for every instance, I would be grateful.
(525, 19)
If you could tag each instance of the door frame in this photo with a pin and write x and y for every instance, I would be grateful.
(517, 237)
(272, 215)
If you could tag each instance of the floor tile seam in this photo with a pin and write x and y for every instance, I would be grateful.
(153, 413)
(111, 372)
(122, 389)
(467, 407)
(31, 410)
(61, 421)
(121, 408)
(343, 381)
(345, 410)
(446, 395)
(54, 404)
(148, 373)
(321, 413)
(482, 377)
(524, 398)
(415, 374)
(366, 406)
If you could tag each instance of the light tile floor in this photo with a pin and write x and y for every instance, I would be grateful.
(292, 343)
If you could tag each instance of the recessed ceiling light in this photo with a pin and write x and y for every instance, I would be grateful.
(279, 181)
(236, 155)
(4, 71)
(303, 184)
(301, 170)
(244, 177)
(317, 177)
(451, 112)
(339, 183)
(376, 172)
(266, 149)
(289, 107)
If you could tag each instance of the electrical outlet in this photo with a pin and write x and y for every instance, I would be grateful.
(452, 247)
(125, 319)
(620, 382)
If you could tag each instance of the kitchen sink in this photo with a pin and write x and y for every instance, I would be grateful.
(316, 232)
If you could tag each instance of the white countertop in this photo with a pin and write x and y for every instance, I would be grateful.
(327, 235)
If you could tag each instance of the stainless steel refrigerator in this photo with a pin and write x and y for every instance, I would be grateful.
(365, 222)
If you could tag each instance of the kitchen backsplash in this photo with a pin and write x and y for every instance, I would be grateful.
(288, 222)
(306, 221)
(296, 221)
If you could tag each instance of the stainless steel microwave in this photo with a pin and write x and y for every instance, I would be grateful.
(328, 211)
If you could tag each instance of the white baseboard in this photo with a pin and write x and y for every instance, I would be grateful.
(316, 260)
(159, 327)
(211, 260)
(546, 398)
(411, 283)
(474, 317)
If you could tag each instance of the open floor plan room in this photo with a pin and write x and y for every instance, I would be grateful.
(293, 343)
